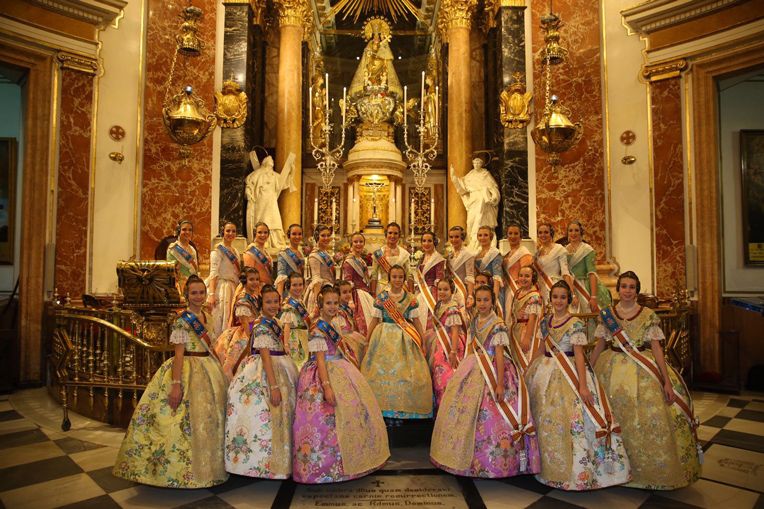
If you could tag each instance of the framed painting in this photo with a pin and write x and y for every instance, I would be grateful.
(8, 148)
(752, 194)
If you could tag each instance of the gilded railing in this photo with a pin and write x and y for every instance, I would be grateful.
(108, 354)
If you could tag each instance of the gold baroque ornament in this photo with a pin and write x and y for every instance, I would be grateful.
(293, 13)
(457, 13)
(231, 105)
(514, 103)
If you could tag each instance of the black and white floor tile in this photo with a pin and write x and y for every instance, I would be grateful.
(42, 467)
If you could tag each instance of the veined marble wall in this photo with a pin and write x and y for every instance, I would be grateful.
(73, 182)
(576, 188)
(668, 185)
(174, 187)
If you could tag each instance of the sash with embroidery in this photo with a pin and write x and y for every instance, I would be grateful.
(543, 276)
(259, 256)
(186, 258)
(273, 327)
(295, 262)
(231, 257)
(440, 331)
(395, 313)
(348, 314)
(338, 341)
(599, 412)
(297, 305)
(519, 421)
(625, 343)
(199, 329)
(483, 263)
(382, 260)
(524, 359)
(359, 266)
(252, 300)
(326, 258)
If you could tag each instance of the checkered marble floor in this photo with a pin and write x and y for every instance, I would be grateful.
(42, 467)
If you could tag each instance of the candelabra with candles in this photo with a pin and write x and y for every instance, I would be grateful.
(419, 159)
(327, 158)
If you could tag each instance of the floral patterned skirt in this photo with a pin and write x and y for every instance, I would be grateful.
(572, 457)
(181, 448)
(258, 436)
(471, 438)
(398, 374)
(298, 346)
(440, 369)
(342, 442)
(659, 441)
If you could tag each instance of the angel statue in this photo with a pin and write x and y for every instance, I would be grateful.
(263, 187)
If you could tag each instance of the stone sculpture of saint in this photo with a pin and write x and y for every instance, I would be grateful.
(480, 195)
(263, 187)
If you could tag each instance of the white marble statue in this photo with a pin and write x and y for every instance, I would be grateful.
(263, 187)
(480, 195)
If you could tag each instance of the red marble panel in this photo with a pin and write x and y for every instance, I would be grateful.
(576, 188)
(668, 186)
(174, 187)
(73, 182)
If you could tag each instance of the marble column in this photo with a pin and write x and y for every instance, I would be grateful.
(244, 61)
(457, 18)
(292, 15)
(506, 55)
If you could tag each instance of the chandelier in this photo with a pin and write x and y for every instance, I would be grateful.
(184, 114)
(554, 132)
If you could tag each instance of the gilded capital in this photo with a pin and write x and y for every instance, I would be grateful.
(293, 13)
(457, 13)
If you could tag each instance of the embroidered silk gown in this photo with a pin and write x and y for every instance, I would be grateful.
(471, 438)
(341, 442)
(581, 264)
(187, 261)
(572, 457)
(554, 263)
(462, 265)
(394, 365)
(321, 268)
(449, 316)
(355, 271)
(181, 448)
(346, 326)
(511, 265)
(261, 261)
(660, 443)
(298, 333)
(258, 436)
(288, 262)
(524, 305)
(229, 348)
(226, 273)
(379, 274)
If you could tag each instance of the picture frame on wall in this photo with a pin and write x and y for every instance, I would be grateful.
(8, 158)
(752, 194)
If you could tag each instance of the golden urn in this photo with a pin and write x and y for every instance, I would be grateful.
(554, 132)
(186, 118)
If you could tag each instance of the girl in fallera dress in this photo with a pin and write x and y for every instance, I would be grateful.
(356, 271)
(290, 259)
(590, 294)
(295, 320)
(395, 364)
(551, 261)
(175, 438)
(484, 426)
(256, 255)
(517, 257)
(447, 338)
(223, 279)
(339, 433)
(430, 270)
(527, 310)
(345, 322)
(183, 253)
(580, 441)
(649, 398)
(261, 401)
(488, 259)
(231, 345)
(387, 256)
(320, 266)
(248, 289)
(461, 266)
